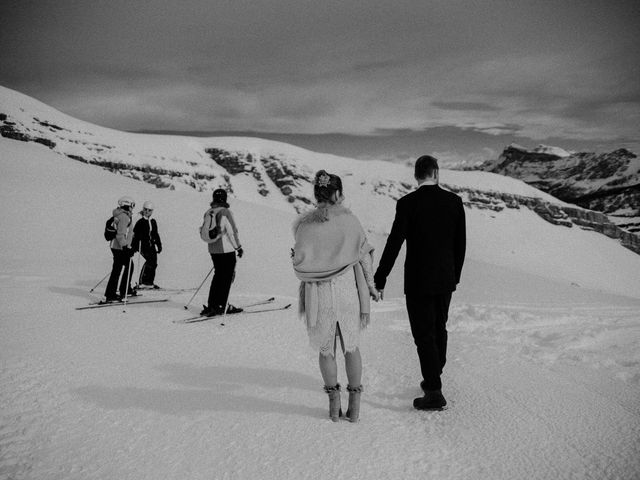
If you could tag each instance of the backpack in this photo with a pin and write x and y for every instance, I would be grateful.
(210, 231)
(110, 229)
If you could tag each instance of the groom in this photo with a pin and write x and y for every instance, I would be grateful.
(432, 222)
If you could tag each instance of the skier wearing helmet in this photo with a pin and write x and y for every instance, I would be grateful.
(223, 248)
(122, 252)
(146, 240)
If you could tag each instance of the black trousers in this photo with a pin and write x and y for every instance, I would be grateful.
(428, 318)
(224, 265)
(148, 270)
(120, 261)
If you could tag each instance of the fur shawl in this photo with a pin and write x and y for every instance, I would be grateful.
(328, 241)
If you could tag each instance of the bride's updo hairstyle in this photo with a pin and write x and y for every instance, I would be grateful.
(325, 185)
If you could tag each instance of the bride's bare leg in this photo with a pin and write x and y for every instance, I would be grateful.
(328, 369)
(353, 364)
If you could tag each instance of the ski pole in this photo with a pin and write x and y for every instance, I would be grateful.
(128, 275)
(198, 289)
(103, 279)
(226, 307)
(139, 271)
(224, 316)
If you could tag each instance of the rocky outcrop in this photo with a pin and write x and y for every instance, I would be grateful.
(160, 177)
(9, 129)
(287, 178)
(563, 215)
(235, 164)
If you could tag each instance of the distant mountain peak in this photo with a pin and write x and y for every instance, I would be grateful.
(605, 182)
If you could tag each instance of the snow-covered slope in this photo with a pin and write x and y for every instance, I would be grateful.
(270, 173)
(275, 173)
(542, 380)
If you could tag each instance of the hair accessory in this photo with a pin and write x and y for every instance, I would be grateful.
(323, 180)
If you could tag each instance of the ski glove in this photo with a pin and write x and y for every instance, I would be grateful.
(240, 252)
(159, 248)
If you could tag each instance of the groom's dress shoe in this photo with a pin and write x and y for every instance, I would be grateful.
(432, 400)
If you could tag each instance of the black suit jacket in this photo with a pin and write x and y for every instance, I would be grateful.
(432, 222)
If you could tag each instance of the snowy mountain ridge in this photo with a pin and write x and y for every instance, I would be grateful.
(270, 173)
(607, 182)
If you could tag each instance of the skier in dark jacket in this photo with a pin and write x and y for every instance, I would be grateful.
(122, 250)
(147, 241)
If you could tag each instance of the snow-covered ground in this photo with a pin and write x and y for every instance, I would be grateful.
(543, 376)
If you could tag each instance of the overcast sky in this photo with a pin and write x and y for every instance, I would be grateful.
(454, 77)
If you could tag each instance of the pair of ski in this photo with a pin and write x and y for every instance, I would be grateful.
(134, 300)
(268, 301)
(137, 301)
(163, 290)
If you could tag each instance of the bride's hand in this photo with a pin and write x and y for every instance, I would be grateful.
(375, 294)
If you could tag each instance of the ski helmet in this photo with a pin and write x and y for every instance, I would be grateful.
(148, 205)
(220, 196)
(126, 201)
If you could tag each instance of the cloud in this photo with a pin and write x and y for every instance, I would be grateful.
(393, 68)
(510, 129)
(465, 106)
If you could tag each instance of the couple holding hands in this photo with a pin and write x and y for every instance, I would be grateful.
(334, 262)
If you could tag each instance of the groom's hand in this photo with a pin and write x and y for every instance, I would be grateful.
(380, 292)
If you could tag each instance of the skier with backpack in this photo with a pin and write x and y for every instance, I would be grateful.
(219, 231)
(146, 240)
(120, 234)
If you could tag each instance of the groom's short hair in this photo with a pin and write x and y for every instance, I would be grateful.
(425, 167)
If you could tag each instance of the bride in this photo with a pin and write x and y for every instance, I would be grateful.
(334, 262)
